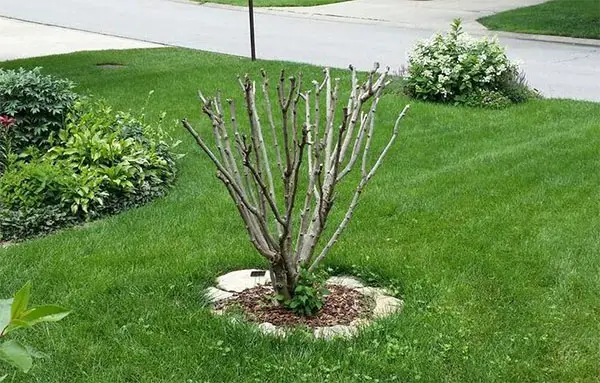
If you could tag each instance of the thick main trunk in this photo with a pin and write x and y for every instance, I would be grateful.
(282, 279)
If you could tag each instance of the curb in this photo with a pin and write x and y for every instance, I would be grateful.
(548, 38)
(290, 12)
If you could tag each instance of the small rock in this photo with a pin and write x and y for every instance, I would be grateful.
(337, 331)
(270, 329)
(360, 322)
(240, 280)
(347, 281)
(386, 305)
(372, 292)
(215, 295)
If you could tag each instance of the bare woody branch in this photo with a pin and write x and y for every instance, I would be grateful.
(332, 146)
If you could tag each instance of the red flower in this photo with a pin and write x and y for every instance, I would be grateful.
(7, 121)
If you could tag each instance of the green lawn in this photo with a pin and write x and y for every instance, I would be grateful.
(274, 3)
(574, 18)
(490, 218)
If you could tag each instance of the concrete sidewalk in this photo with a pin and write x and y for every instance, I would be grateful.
(434, 15)
(19, 39)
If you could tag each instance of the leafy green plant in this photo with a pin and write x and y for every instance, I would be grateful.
(39, 103)
(458, 69)
(16, 315)
(101, 162)
(34, 184)
(309, 293)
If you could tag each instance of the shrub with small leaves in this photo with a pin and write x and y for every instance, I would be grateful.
(309, 294)
(38, 103)
(456, 68)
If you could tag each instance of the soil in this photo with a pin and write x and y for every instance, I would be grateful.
(341, 306)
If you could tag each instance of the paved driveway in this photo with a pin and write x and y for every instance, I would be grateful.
(558, 70)
(20, 39)
(430, 14)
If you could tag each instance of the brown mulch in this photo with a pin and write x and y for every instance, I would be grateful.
(340, 307)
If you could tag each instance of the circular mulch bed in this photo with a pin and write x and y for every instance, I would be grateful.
(341, 306)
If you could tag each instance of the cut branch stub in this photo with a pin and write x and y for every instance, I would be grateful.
(332, 149)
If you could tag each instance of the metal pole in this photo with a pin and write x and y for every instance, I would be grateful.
(252, 43)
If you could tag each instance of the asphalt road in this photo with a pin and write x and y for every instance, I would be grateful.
(556, 69)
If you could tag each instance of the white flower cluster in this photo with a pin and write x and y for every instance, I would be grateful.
(447, 66)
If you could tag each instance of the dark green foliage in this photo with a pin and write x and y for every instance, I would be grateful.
(38, 102)
(30, 222)
(101, 163)
(308, 294)
(515, 88)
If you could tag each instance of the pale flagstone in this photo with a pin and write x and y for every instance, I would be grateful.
(240, 280)
(344, 280)
(372, 292)
(270, 329)
(215, 295)
(337, 331)
(360, 322)
(386, 305)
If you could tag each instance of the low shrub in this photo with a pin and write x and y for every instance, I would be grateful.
(100, 163)
(458, 69)
(25, 223)
(38, 103)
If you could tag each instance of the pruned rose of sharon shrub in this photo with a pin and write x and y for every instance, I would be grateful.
(456, 68)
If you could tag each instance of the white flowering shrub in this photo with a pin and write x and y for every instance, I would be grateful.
(457, 68)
